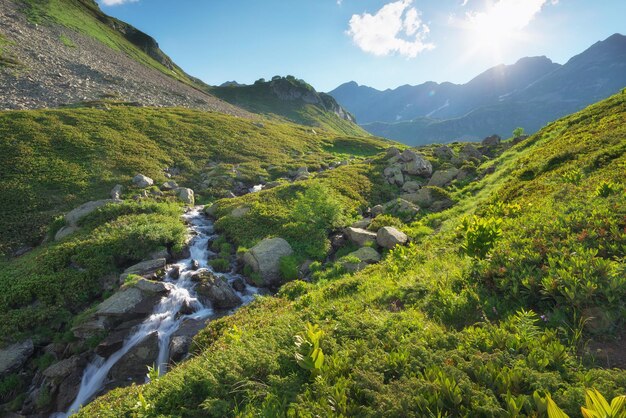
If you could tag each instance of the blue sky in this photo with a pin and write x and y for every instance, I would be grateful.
(382, 44)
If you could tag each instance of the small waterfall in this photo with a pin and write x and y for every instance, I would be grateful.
(165, 319)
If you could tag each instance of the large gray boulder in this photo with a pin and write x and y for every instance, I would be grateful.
(492, 140)
(442, 178)
(360, 259)
(63, 381)
(13, 357)
(144, 269)
(183, 337)
(430, 198)
(360, 237)
(215, 290)
(186, 195)
(66, 231)
(116, 192)
(411, 186)
(388, 237)
(394, 175)
(415, 164)
(142, 181)
(444, 152)
(76, 214)
(392, 152)
(264, 258)
(133, 301)
(469, 151)
(169, 185)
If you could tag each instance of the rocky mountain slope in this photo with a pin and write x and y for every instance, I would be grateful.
(291, 99)
(67, 51)
(530, 93)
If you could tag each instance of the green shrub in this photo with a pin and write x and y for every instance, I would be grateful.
(289, 267)
(573, 176)
(480, 235)
(220, 265)
(385, 220)
(294, 289)
(607, 188)
(309, 355)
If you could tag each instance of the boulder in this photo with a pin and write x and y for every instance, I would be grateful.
(415, 164)
(239, 284)
(142, 181)
(169, 185)
(388, 237)
(116, 192)
(444, 152)
(491, 141)
(63, 381)
(377, 210)
(264, 258)
(144, 269)
(394, 175)
(360, 237)
(469, 151)
(442, 178)
(240, 212)
(133, 366)
(360, 259)
(13, 357)
(134, 301)
(392, 152)
(411, 186)
(182, 338)
(186, 195)
(91, 328)
(76, 214)
(363, 223)
(65, 232)
(174, 272)
(402, 209)
(215, 290)
(430, 198)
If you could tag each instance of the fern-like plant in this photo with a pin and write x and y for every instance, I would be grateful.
(480, 235)
(309, 355)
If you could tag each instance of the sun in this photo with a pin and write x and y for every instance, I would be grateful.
(489, 32)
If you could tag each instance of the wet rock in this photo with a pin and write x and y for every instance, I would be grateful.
(360, 236)
(239, 284)
(388, 237)
(137, 300)
(195, 265)
(174, 272)
(133, 366)
(62, 381)
(216, 290)
(264, 258)
(183, 337)
(145, 268)
(13, 357)
(142, 181)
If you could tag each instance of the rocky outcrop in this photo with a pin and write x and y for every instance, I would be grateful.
(13, 357)
(264, 259)
(62, 381)
(444, 152)
(389, 237)
(116, 192)
(75, 215)
(415, 164)
(401, 209)
(142, 181)
(133, 366)
(169, 185)
(215, 290)
(65, 231)
(491, 141)
(134, 301)
(442, 178)
(430, 198)
(361, 237)
(145, 269)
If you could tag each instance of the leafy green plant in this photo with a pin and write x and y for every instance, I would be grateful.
(154, 372)
(597, 407)
(517, 132)
(480, 235)
(309, 355)
(220, 265)
(288, 268)
(573, 176)
(607, 188)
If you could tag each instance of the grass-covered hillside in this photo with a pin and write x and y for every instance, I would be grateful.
(291, 99)
(496, 309)
(54, 160)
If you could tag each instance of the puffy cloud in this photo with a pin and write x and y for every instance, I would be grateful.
(397, 28)
(511, 15)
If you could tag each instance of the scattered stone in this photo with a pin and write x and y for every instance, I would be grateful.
(362, 224)
(402, 209)
(13, 357)
(415, 164)
(186, 195)
(392, 152)
(377, 210)
(216, 290)
(411, 186)
(388, 237)
(174, 272)
(360, 236)
(394, 175)
(430, 198)
(21, 251)
(365, 257)
(264, 258)
(469, 151)
(169, 185)
(142, 181)
(116, 192)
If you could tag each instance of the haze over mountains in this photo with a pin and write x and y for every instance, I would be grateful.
(529, 93)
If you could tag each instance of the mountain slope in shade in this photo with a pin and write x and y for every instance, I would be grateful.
(498, 100)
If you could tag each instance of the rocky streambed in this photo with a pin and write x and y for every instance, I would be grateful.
(153, 321)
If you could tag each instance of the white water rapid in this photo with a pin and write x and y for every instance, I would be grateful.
(165, 319)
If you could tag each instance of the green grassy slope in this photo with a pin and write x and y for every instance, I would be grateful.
(86, 17)
(431, 331)
(54, 160)
(261, 98)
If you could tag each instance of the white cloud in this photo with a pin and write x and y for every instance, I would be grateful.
(397, 28)
(503, 15)
(116, 2)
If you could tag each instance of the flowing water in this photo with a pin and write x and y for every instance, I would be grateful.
(165, 319)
